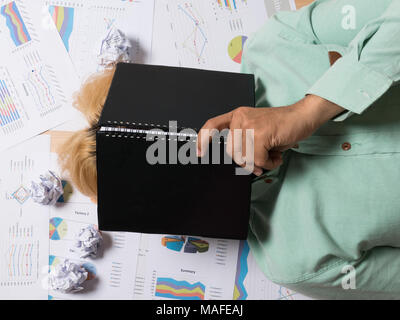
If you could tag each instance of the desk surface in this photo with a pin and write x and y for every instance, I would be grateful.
(58, 137)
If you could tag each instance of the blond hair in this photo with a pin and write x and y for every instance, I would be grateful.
(77, 156)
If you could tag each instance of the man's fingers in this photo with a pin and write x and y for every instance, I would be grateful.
(268, 160)
(274, 160)
(286, 147)
(258, 171)
(211, 127)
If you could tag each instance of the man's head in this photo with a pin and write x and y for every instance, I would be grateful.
(77, 156)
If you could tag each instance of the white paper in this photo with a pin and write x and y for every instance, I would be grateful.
(274, 6)
(206, 34)
(24, 244)
(115, 265)
(251, 283)
(165, 272)
(82, 24)
(37, 78)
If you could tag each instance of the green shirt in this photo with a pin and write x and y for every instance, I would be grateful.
(335, 201)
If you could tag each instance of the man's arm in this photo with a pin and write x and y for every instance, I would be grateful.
(369, 68)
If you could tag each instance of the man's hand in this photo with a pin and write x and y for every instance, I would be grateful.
(275, 130)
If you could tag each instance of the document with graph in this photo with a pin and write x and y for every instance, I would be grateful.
(37, 77)
(207, 34)
(185, 268)
(112, 272)
(251, 283)
(82, 24)
(24, 244)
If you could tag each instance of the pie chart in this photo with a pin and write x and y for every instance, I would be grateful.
(235, 48)
(53, 261)
(58, 229)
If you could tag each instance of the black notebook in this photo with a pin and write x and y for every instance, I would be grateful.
(167, 195)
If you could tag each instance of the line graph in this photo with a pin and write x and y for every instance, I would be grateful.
(196, 41)
(38, 85)
(209, 34)
(20, 261)
(19, 257)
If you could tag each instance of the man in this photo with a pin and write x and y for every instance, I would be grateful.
(327, 129)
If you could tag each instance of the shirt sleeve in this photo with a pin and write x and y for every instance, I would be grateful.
(368, 69)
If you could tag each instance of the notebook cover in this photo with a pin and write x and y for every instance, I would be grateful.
(199, 200)
(155, 95)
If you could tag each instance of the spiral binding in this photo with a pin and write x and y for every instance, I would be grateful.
(144, 124)
(134, 133)
(144, 134)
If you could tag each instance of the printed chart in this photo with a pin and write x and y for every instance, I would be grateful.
(58, 228)
(185, 244)
(40, 89)
(182, 290)
(84, 24)
(112, 273)
(251, 283)
(11, 114)
(24, 244)
(63, 18)
(20, 263)
(37, 77)
(208, 34)
(236, 47)
(166, 271)
(15, 24)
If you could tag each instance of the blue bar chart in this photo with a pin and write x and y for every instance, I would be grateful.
(10, 117)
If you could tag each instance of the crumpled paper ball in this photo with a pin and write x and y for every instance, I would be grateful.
(48, 190)
(114, 47)
(88, 242)
(67, 277)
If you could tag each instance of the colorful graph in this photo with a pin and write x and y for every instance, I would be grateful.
(193, 245)
(230, 4)
(182, 290)
(63, 18)
(18, 31)
(21, 195)
(240, 292)
(196, 41)
(68, 191)
(58, 229)
(18, 231)
(20, 260)
(235, 48)
(174, 243)
(40, 89)
(53, 261)
(8, 110)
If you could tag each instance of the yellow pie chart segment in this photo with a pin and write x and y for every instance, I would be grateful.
(235, 48)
